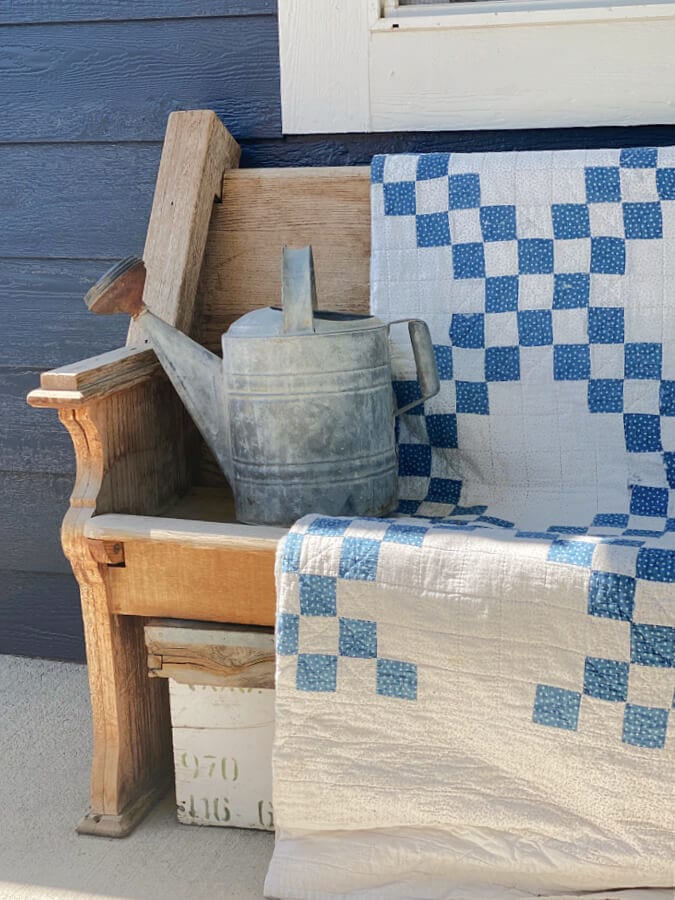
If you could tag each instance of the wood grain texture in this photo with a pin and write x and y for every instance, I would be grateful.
(197, 150)
(264, 209)
(194, 653)
(37, 11)
(118, 81)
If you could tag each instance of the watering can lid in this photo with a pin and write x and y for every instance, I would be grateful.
(298, 314)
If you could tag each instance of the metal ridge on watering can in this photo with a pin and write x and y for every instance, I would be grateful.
(300, 410)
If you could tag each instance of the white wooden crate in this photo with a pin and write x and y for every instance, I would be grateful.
(222, 742)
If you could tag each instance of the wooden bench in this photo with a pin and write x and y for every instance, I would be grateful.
(150, 530)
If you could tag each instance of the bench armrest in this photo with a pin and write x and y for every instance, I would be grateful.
(95, 378)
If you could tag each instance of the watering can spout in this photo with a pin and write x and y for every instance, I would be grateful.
(195, 373)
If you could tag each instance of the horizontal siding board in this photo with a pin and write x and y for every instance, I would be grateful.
(118, 81)
(31, 440)
(40, 615)
(32, 507)
(44, 322)
(28, 12)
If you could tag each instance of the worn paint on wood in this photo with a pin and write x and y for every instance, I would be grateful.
(222, 741)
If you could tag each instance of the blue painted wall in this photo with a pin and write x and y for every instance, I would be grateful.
(85, 90)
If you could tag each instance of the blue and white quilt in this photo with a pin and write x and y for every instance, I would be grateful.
(475, 699)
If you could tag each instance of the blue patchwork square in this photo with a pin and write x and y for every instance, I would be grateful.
(571, 291)
(535, 256)
(432, 165)
(501, 293)
(610, 520)
(377, 169)
(638, 158)
(399, 198)
(608, 255)
(287, 634)
(572, 553)
(327, 526)
(648, 501)
(358, 638)
(358, 560)
(642, 220)
(472, 397)
(316, 672)
(318, 595)
(605, 395)
(498, 223)
(290, 560)
(669, 463)
(443, 356)
(642, 433)
(464, 191)
(643, 360)
(535, 327)
(652, 645)
(568, 529)
(477, 510)
(443, 490)
(603, 184)
(468, 261)
(611, 596)
(556, 707)
(665, 184)
(433, 230)
(468, 330)
(396, 679)
(606, 679)
(413, 535)
(442, 430)
(667, 398)
(655, 564)
(414, 459)
(493, 520)
(645, 726)
(408, 392)
(570, 220)
(605, 325)
(408, 507)
(502, 364)
(571, 362)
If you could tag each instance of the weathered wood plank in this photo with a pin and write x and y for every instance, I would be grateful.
(195, 653)
(50, 292)
(118, 81)
(40, 615)
(32, 504)
(32, 12)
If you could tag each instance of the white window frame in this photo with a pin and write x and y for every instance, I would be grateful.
(360, 65)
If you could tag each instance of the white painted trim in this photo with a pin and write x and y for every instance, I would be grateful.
(555, 63)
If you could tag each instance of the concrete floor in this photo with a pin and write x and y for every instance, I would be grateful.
(45, 748)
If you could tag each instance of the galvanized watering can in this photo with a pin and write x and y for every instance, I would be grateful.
(300, 410)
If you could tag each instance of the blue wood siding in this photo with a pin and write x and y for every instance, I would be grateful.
(86, 88)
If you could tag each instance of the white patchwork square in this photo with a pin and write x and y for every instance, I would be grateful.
(535, 291)
(607, 361)
(401, 167)
(600, 721)
(400, 232)
(606, 219)
(466, 295)
(572, 255)
(357, 677)
(376, 201)
(654, 603)
(569, 184)
(317, 557)
(435, 266)
(501, 329)
(318, 634)
(497, 187)
(534, 221)
(651, 686)
(602, 157)
(461, 163)
(536, 369)
(668, 431)
(607, 290)
(642, 323)
(501, 258)
(431, 196)
(468, 364)
(536, 181)
(641, 396)
(647, 468)
(638, 185)
(668, 365)
(608, 638)
(614, 558)
(570, 326)
(465, 226)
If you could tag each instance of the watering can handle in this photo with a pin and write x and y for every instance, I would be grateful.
(425, 362)
(298, 290)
